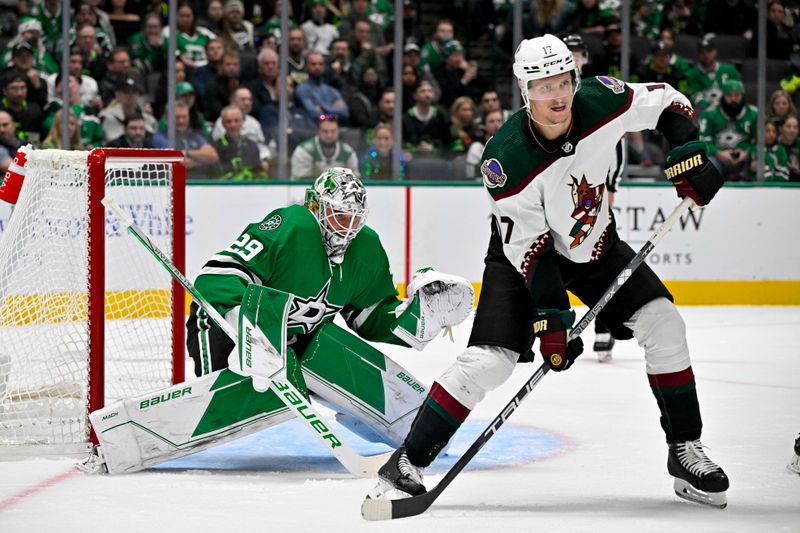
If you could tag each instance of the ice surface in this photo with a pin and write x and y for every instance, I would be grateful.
(608, 472)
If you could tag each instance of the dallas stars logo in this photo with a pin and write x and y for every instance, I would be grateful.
(271, 223)
(308, 313)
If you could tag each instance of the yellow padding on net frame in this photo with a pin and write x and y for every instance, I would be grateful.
(50, 308)
(53, 308)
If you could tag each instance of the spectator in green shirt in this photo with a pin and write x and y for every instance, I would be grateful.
(90, 130)
(729, 131)
(148, 48)
(776, 161)
(432, 53)
(30, 31)
(708, 76)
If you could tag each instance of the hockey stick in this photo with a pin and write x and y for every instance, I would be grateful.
(356, 464)
(385, 509)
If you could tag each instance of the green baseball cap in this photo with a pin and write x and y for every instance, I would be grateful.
(184, 87)
(451, 46)
(732, 86)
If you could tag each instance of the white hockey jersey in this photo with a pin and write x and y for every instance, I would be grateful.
(555, 191)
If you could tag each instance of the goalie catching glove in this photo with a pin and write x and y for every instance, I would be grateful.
(551, 327)
(692, 173)
(435, 301)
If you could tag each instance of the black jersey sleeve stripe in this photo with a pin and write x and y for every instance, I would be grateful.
(235, 266)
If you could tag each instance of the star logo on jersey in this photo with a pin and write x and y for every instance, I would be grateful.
(730, 138)
(587, 200)
(308, 313)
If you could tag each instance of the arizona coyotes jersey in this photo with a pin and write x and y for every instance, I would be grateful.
(285, 252)
(554, 192)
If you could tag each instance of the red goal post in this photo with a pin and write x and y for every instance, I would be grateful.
(86, 316)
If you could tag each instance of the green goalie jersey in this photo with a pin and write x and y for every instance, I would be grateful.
(284, 251)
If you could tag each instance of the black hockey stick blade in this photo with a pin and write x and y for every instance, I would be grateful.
(386, 509)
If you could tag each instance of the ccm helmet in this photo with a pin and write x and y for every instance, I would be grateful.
(540, 58)
(339, 201)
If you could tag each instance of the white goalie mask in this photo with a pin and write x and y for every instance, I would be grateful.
(339, 201)
(540, 58)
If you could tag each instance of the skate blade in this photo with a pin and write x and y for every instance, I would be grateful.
(94, 464)
(603, 357)
(794, 465)
(386, 491)
(686, 491)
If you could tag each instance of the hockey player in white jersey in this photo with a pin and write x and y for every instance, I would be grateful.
(553, 231)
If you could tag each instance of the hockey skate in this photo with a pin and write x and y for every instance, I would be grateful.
(794, 464)
(398, 478)
(603, 343)
(697, 478)
(94, 464)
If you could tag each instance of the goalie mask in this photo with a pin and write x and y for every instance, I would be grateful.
(540, 58)
(339, 201)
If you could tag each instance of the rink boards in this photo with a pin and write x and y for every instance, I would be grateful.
(737, 251)
(740, 250)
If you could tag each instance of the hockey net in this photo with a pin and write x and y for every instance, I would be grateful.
(86, 316)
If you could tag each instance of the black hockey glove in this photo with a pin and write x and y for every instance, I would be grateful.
(692, 173)
(551, 328)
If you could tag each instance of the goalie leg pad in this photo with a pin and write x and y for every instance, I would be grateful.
(375, 396)
(222, 406)
(660, 330)
(476, 371)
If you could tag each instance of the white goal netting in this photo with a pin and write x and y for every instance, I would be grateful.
(51, 291)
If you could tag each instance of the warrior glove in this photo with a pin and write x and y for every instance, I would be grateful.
(551, 328)
(692, 173)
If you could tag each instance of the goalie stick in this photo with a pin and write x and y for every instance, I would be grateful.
(385, 509)
(358, 465)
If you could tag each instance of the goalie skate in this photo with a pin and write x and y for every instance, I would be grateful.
(603, 343)
(794, 464)
(94, 464)
(697, 478)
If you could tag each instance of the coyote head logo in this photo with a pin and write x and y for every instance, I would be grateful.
(587, 200)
